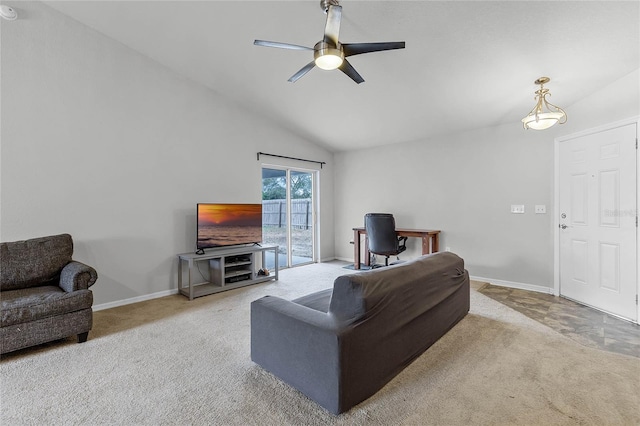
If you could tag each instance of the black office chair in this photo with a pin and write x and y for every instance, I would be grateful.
(382, 237)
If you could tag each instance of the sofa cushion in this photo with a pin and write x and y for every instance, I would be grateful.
(32, 304)
(33, 262)
(404, 290)
(319, 300)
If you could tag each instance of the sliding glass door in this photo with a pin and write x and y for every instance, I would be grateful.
(301, 208)
(274, 213)
(288, 218)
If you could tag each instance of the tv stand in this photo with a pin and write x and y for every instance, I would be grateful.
(229, 268)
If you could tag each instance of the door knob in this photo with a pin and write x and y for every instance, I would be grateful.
(563, 226)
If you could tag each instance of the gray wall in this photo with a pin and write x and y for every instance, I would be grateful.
(101, 142)
(109, 146)
(464, 185)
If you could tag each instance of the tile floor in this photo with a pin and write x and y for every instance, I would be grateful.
(580, 323)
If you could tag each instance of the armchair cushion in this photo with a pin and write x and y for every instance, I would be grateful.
(27, 305)
(34, 262)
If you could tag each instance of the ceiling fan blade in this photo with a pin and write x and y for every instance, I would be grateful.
(351, 49)
(302, 71)
(332, 27)
(349, 70)
(279, 45)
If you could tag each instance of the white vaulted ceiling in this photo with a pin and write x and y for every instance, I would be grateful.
(467, 64)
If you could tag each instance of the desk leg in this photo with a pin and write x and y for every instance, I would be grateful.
(430, 244)
(367, 253)
(426, 248)
(356, 250)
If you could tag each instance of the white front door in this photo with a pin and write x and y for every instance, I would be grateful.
(597, 207)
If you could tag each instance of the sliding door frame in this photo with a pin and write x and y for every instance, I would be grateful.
(314, 215)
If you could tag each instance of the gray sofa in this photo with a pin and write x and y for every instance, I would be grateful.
(44, 294)
(340, 346)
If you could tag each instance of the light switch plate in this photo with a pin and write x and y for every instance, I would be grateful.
(541, 209)
(517, 208)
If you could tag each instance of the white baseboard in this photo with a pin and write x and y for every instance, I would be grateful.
(135, 299)
(501, 283)
(512, 284)
(151, 296)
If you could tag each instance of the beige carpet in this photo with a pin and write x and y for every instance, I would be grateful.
(174, 362)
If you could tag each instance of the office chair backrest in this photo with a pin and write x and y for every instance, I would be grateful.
(381, 232)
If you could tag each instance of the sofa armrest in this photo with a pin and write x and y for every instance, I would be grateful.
(300, 345)
(77, 276)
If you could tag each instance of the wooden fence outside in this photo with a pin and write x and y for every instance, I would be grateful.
(274, 213)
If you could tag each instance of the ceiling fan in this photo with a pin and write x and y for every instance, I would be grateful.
(329, 53)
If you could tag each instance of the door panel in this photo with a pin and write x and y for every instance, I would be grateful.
(610, 267)
(274, 214)
(579, 251)
(579, 196)
(301, 207)
(598, 195)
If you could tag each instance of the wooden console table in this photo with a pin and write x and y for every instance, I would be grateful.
(430, 242)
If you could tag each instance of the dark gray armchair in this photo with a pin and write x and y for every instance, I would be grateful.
(44, 294)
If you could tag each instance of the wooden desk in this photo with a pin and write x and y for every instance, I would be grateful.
(429, 237)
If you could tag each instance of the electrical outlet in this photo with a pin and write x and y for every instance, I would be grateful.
(541, 209)
(517, 208)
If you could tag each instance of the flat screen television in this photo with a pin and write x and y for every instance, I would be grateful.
(222, 225)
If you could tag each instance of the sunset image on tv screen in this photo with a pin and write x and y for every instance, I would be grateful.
(229, 224)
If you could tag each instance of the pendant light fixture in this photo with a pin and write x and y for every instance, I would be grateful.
(544, 114)
(8, 13)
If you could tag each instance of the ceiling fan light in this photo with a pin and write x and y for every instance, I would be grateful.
(328, 62)
(327, 57)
